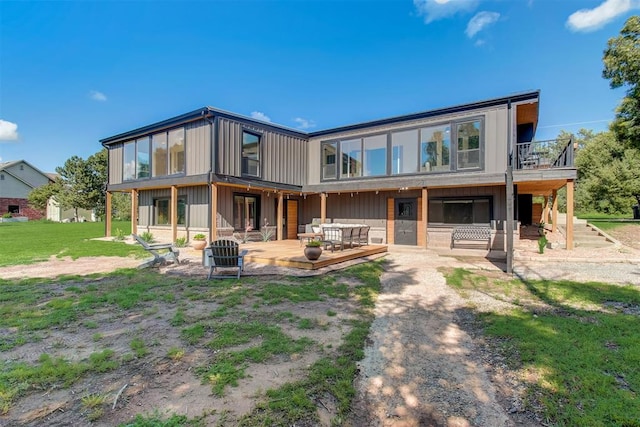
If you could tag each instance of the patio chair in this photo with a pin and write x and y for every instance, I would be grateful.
(155, 248)
(224, 253)
(363, 236)
(332, 236)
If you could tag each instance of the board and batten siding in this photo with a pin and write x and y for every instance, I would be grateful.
(197, 214)
(281, 155)
(116, 165)
(495, 138)
(197, 147)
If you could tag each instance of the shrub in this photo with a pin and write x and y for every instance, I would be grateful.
(147, 236)
(542, 243)
(119, 235)
(7, 215)
(314, 243)
(181, 242)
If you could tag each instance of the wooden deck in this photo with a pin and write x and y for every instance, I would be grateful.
(290, 253)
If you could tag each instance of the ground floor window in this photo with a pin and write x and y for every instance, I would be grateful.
(162, 211)
(477, 210)
(246, 212)
(14, 209)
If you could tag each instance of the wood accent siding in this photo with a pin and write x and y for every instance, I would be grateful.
(390, 220)
(197, 147)
(420, 234)
(281, 156)
(292, 219)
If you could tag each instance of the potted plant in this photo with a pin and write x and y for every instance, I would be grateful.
(199, 241)
(313, 250)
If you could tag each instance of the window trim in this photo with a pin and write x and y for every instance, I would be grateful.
(453, 149)
(488, 198)
(154, 214)
(259, 135)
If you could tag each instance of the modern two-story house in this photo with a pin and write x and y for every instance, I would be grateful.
(412, 178)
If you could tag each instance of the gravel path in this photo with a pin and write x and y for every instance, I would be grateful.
(422, 368)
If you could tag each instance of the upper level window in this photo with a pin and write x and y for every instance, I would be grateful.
(176, 151)
(375, 155)
(129, 155)
(351, 158)
(468, 134)
(329, 157)
(435, 143)
(142, 156)
(250, 154)
(159, 154)
(404, 152)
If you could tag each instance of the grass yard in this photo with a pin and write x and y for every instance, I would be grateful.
(171, 350)
(576, 345)
(35, 241)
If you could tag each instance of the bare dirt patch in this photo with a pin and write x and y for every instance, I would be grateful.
(628, 235)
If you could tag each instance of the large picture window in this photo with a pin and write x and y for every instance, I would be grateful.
(142, 158)
(468, 134)
(351, 158)
(250, 154)
(435, 143)
(162, 211)
(460, 211)
(159, 158)
(176, 151)
(129, 169)
(246, 211)
(404, 148)
(329, 157)
(375, 155)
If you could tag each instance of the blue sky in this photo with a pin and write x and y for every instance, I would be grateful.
(72, 73)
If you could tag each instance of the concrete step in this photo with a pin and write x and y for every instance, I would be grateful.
(594, 244)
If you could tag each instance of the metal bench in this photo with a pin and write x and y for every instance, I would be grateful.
(471, 233)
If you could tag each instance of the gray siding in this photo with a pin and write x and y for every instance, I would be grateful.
(495, 141)
(268, 205)
(17, 183)
(115, 163)
(197, 205)
(198, 147)
(281, 156)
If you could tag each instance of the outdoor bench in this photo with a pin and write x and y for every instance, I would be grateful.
(471, 233)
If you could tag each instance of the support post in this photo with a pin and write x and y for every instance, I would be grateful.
(134, 211)
(554, 211)
(569, 214)
(107, 215)
(174, 213)
(213, 230)
(280, 213)
(323, 208)
(545, 210)
(425, 215)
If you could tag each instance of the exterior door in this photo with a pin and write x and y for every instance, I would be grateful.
(292, 219)
(406, 222)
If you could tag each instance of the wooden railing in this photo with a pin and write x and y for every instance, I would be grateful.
(553, 153)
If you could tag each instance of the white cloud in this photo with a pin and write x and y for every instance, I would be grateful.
(432, 10)
(260, 116)
(592, 19)
(305, 123)
(8, 131)
(97, 96)
(480, 21)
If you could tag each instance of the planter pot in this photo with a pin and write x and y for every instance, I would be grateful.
(198, 245)
(312, 252)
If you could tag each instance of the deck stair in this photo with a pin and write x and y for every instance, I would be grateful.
(586, 235)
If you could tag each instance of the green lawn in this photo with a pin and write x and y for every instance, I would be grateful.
(33, 241)
(580, 350)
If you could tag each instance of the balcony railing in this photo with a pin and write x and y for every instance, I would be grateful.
(553, 153)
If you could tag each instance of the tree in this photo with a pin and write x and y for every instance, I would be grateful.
(39, 196)
(622, 67)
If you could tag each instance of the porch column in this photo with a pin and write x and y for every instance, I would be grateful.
(134, 211)
(107, 215)
(570, 215)
(425, 216)
(554, 211)
(213, 214)
(280, 213)
(323, 208)
(174, 213)
(545, 210)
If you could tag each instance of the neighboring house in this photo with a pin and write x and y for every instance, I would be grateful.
(17, 179)
(412, 178)
(57, 214)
